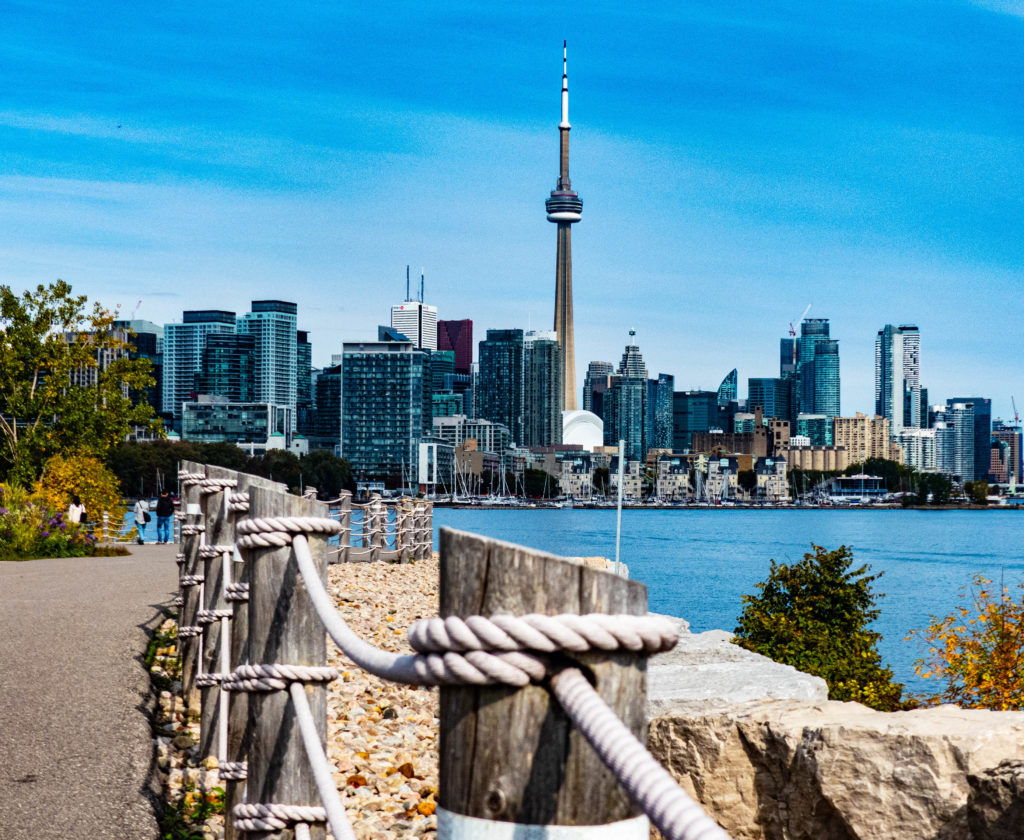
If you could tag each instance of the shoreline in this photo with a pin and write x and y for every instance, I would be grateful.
(858, 507)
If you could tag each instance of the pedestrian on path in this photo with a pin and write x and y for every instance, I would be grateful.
(141, 512)
(76, 510)
(164, 512)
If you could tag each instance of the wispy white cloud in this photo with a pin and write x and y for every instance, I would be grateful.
(1005, 7)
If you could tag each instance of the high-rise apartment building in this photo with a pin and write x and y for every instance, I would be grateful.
(457, 336)
(693, 411)
(499, 395)
(305, 403)
(595, 384)
(1009, 435)
(328, 408)
(864, 437)
(898, 377)
(658, 429)
(982, 413)
(954, 440)
(228, 367)
(817, 369)
(272, 323)
(625, 403)
(919, 448)
(383, 412)
(183, 356)
(542, 389)
(728, 390)
(148, 340)
(772, 395)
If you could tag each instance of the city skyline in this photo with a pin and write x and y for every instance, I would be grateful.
(738, 165)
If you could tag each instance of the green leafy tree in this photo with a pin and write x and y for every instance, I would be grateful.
(747, 479)
(602, 484)
(539, 484)
(815, 615)
(898, 477)
(977, 492)
(330, 475)
(65, 378)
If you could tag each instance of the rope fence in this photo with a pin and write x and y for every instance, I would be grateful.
(258, 676)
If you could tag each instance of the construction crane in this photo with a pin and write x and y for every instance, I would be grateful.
(792, 330)
(1016, 416)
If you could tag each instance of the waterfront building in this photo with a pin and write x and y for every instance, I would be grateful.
(213, 419)
(672, 482)
(436, 467)
(658, 418)
(632, 479)
(327, 422)
(772, 484)
(955, 440)
(722, 480)
(576, 475)
(857, 487)
(564, 208)
(417, 322)
(982, 414)
(487, 436)
(457, 336)
(384, 414)
(272, 323)
(499, 395)
(898, 396)
(817, 427)
(542, 389)
(864, 437)
(228, 367)
(183, 356)
(595, 383)
(821, 458)
(1010, 436)
(918, 446)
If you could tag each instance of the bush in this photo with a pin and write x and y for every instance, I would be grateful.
(815, 616)
(978, 649)
(29, 529)
(83, 475)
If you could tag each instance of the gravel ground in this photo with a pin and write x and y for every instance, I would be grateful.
(382, 737)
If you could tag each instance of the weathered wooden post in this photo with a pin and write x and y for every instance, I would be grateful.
(345, 518)
(511, 755)
(284, 630)
(217, 557)
(191, 582)
(238, 711)
(378, 518)
(405, 535)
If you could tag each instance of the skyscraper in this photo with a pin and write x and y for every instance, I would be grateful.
(304, 402)
(273, 325)
(727, 390)
(982, 434)
(594, 386)
(658, 432)
(625, 403)
(564, 208)
(228, 367)
(817, 369)
(898, 376)
(457, 336)
(542, 389)
(183, 354)
(500, 381)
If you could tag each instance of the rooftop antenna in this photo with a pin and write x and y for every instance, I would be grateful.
(421, 284)
(407, 297)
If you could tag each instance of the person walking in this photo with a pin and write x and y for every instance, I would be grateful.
(164, 512)
(76, 510)
(141, 512)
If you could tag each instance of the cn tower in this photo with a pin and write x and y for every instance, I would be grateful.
(564, 208)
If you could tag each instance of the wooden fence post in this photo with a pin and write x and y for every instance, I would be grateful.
(284, 630)
(511, 755)
(192, 601)
(220, 530)
(238, 713)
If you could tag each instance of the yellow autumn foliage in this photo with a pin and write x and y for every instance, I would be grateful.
(86, 476)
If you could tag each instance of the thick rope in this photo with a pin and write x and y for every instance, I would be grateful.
(277, 532)
(239, 502)
(191, 580)
(211, 679)
(190, 478)
(189, 631)
(180, 559)
(215, 485)
(209, 552)
(212, 616)
(233, 771)
(257, 817)
(659, 796)
(178, 601)
(276, 677)
(236, 592)
(191, 530)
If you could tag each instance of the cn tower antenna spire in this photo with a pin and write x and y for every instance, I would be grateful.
(564, 208)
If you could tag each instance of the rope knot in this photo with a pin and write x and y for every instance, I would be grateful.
(260, 817)
(215, 485)
(209, 552)
(278, 531)
(236, 592)
(275, 677)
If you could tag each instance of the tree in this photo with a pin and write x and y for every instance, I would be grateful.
(747, 479)
(977, 492)
(602, 484)
(539, 484)
(978, 649)
(65, 377)
(84, 476)
(815, 615)
(330, 475)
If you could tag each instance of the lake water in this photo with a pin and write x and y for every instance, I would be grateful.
(697, 563)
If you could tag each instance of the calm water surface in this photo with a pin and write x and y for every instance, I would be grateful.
(697, 563)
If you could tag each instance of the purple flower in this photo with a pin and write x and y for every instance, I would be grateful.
(46, 533)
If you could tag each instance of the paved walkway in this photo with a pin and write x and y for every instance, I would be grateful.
(75, 740)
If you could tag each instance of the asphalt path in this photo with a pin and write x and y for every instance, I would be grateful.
(76, 750)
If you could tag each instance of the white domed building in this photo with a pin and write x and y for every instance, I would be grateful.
(584, 428)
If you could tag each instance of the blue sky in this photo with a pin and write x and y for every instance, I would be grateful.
(737, 161)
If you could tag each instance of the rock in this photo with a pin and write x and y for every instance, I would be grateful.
(796, 770)
(183, 742)
(995, 808)
(706, 671)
